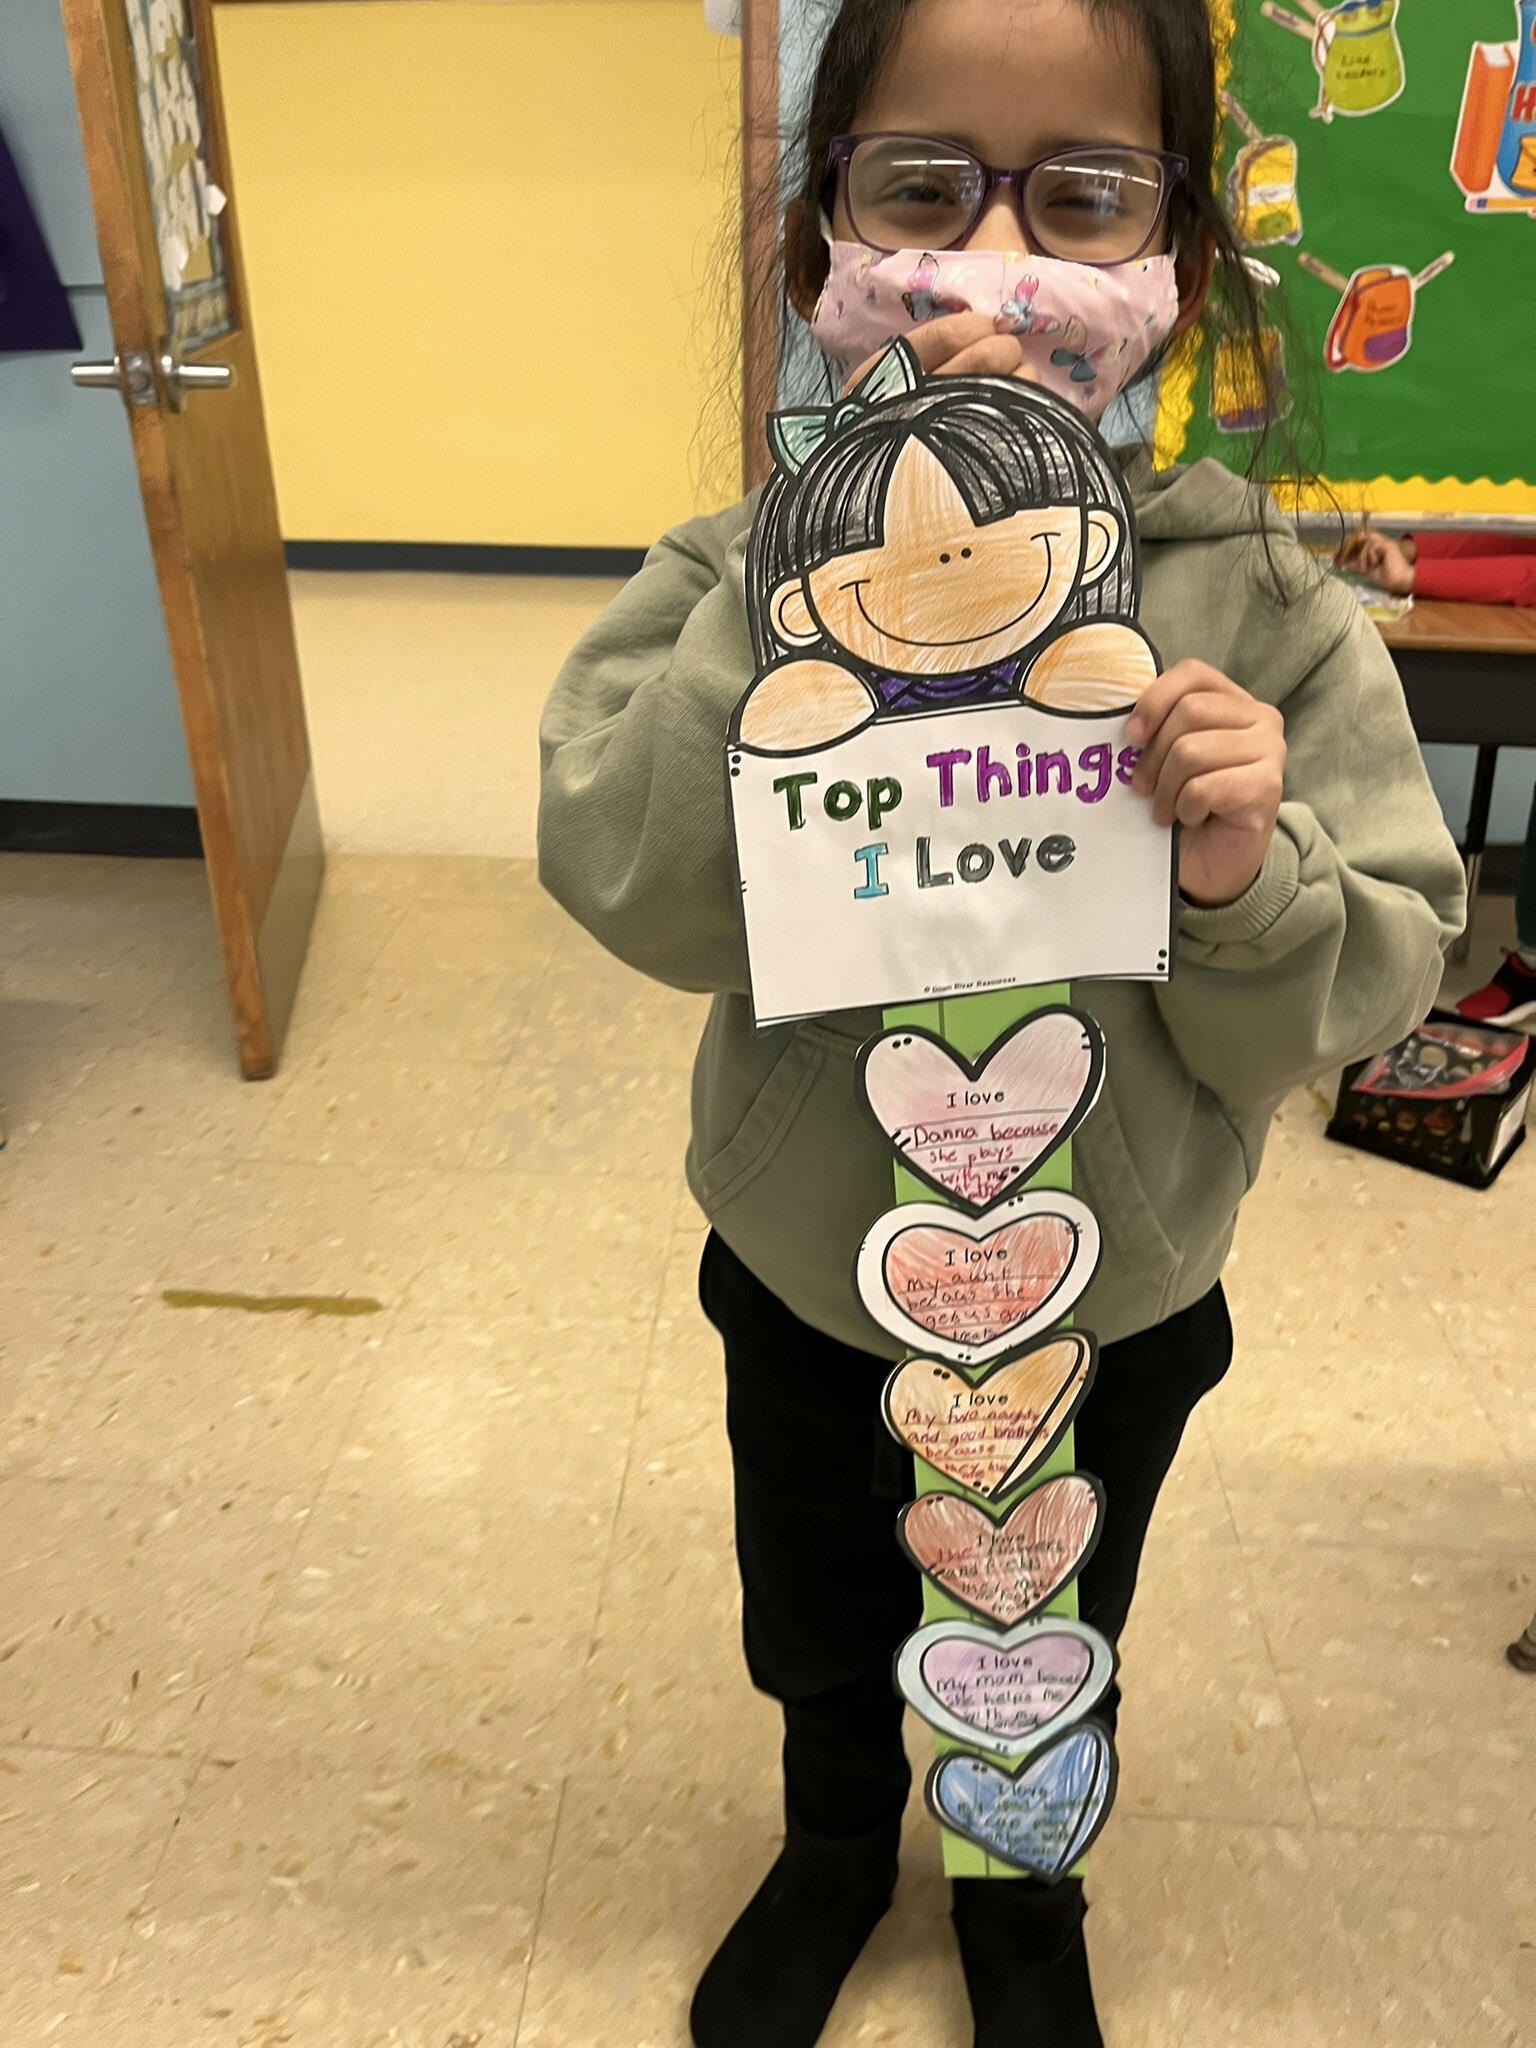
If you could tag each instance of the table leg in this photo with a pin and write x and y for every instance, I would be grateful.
(1476, 839)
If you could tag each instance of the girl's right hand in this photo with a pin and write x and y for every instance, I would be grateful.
(961, 344)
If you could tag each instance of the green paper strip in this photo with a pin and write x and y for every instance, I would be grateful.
(968, 1025)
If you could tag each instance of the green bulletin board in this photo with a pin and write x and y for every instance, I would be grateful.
(1411, 146)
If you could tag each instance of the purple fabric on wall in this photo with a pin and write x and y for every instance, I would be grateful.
(35, 313)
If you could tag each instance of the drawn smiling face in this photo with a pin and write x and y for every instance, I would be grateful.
(942, 595)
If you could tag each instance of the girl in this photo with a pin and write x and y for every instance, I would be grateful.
(1318, 886)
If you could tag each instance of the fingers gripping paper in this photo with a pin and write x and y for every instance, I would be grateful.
(929, 790)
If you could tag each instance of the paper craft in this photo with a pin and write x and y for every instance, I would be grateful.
(1039, 1820)
(1373, 326)
(1493, 160)
(1261, 186)
(929, 777)
(1355, 48)
(973, 1130)
(990, 1431)
(1244, 401)
(929, 791)
(971, 1288)
(1004, 1693)
(1005, 1570)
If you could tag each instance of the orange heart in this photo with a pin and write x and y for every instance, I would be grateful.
(1005, 1570)
(991, 1432)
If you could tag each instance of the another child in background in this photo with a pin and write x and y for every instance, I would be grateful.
(1465, 568)
(1318, 885)
(1471, 568)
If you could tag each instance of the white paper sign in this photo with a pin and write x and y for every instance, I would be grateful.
(944, 853)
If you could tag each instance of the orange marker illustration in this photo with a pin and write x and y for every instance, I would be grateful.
(1372, 327)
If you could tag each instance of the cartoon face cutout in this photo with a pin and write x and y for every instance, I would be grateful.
(942, 595)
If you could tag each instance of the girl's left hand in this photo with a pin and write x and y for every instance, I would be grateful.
(1213, 760)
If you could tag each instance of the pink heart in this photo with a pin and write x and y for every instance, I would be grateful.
(975, 1131)
(1007, 1693)
(1005, 1570)
(971, 1290)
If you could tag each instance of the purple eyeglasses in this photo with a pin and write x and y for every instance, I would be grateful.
(1093, 203)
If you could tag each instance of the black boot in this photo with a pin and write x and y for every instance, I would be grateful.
(775, 1978)
(1026, 1962)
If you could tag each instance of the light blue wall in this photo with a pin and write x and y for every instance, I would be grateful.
(802, 28)
(87, 700)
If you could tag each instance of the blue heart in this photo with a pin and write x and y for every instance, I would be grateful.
(1043, 1819)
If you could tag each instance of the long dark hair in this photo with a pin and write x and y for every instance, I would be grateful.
(1045, 454)
(1176, 35)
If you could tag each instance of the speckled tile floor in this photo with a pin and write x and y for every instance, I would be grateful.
(372, 1682)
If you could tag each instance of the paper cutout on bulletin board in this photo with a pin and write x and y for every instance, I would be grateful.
(974, 1288)
(169, 93)
(1004, 1692)
(1493, 159)
(929, 777)
(973, 1130)
(1355, 48)
(1373, 326)
(1262, 200)
(1043, 1817)
(1005, 1570)
(989, 1431)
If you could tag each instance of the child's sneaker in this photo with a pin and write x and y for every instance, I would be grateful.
(1510, 998)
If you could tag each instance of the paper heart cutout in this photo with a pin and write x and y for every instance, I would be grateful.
(989, 1433)
(973, 1288)
(974, 1130)
(1004, 1692)
(1040, 1820)
(1005, 1570)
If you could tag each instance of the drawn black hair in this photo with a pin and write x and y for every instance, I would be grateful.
(1004, 445)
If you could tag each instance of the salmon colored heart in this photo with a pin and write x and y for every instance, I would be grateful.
(976, 1130)
(975, 1289)
(1010, 1569)
(990, 1433)
(975, 1292)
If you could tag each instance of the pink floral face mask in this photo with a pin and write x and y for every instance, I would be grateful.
(1085, 332)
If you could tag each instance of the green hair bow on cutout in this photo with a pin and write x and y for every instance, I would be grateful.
(794, 437)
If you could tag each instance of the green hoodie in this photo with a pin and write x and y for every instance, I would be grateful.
(1333, 952)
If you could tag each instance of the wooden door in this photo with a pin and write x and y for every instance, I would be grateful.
(146, 83)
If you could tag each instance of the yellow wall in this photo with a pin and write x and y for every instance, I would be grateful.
(477, 241)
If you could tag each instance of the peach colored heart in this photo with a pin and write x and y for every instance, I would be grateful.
(990, 1433)
(973, 1290)
(1005, 1570)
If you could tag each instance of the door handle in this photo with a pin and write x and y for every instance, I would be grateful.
(182, 379)
(133, 375)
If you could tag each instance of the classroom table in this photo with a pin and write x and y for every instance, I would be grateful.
(1469, 674)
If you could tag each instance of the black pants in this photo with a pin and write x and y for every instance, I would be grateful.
(827, 1595)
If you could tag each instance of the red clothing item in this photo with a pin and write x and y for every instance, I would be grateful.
(1476, 568)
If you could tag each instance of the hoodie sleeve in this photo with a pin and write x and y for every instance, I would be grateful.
(633, 834)
(1335, 951)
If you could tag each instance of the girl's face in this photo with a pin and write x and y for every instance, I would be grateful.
(941, 595)
(1012, 80)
